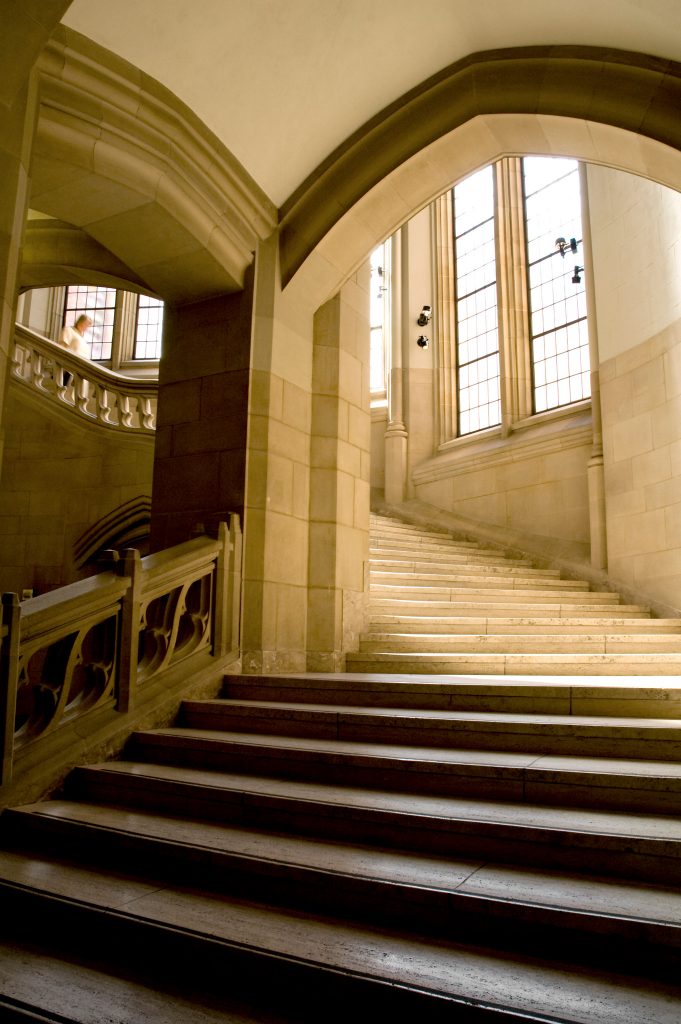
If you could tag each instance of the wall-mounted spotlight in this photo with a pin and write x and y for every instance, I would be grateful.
(576, 279)
(422, 341)
(562, 246)
(424, 316)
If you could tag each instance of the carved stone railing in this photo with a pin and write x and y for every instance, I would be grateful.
(84, 660)
(89, 390)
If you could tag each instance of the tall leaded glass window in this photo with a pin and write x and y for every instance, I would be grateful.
(379, 307)
(477, 335)
(149, 328)
(558, 324)
(100, 305)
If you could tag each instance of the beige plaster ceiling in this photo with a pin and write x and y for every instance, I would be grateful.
(283, 82)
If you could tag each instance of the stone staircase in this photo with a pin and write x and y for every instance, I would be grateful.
(338, 847)
(439, 605)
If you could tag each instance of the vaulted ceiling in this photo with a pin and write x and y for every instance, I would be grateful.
(282, 83)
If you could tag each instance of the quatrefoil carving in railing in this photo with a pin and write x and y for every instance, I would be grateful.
(65, 678)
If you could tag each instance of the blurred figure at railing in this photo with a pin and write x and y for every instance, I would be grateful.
(73, 338)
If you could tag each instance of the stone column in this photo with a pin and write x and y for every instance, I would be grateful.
(200, 457)
(595, 470)
(339, 476)
(396, 435)
(25, 30)
(514, 316)
(276, 526)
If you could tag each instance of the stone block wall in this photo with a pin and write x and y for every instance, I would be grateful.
(641, 395)
(533, 482)
(58, 479)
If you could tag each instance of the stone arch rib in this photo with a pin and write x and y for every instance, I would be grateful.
(630, 91)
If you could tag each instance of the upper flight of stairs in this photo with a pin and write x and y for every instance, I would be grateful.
(346, 847)
(439, 605)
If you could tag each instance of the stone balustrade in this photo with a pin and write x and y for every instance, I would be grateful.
(81, 664)
(88, 389)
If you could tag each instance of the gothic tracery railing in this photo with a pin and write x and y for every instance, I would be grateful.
(87, 389)
(99, 644)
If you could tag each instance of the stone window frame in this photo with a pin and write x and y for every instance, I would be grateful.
(123, 358)
(515, 349)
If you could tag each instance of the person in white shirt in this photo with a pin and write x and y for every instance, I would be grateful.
(73, 338)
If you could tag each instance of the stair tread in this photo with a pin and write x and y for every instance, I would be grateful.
(543, 887)
(80, 994)
(436, 715)
(608, 824)
(449, 681)
(404, 753)
(528, 984)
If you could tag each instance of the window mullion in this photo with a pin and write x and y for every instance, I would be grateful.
(514, 321)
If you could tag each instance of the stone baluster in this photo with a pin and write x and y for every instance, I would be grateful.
(82, 394)
(125, 410)
(104, 405)
(38, 371)
(146, 412)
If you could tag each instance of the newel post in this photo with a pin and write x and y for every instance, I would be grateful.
(227, 588)
(9, 678)
(130, 566)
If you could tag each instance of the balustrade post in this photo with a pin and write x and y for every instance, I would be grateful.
(221, 622)
(228, 588)
(130, 565)
(9, 678)
(235, 538)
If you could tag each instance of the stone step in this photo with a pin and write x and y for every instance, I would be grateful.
(379, 527)
(646, 847)
(540, 760)
(287, 965)
(623, 696)
(490, 607)
(481, 643)
(528, 664)
(388, 565)
(493, 592)
(419, 544)
(443, 553)
(471, 576)
(499, 904)
(516, 624)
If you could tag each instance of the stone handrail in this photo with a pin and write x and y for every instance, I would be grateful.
(80, 665)
(87, 389)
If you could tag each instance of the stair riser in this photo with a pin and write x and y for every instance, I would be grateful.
(399, 565)
(454, 915)
(659, 744)
(634, 858)
(425, 610)
(400, 774)
(519, 664)
(517, 644)
(389, 625)
(510, 696)
(499, 580)
(448, 596)
(433, 556)
(204, 971)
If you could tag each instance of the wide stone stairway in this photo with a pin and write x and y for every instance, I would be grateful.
(443, 605)
(365, 847)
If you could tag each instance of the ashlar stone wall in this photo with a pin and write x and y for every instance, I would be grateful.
(637, 254)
